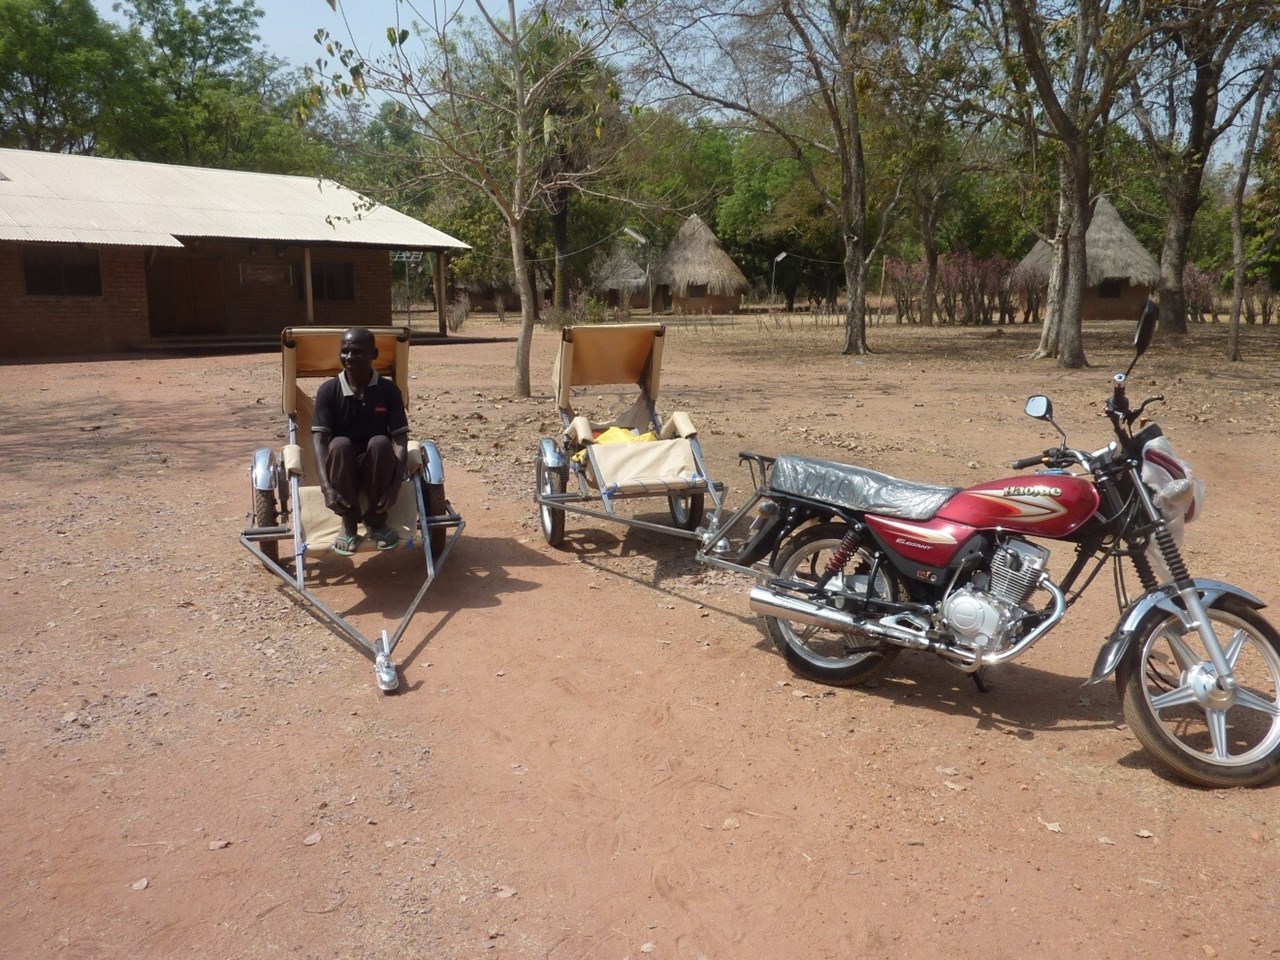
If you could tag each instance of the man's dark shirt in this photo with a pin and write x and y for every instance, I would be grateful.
(340, 413)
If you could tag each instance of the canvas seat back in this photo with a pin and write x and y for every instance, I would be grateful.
(624, 354)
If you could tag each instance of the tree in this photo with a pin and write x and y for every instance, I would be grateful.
(1192, 96)
(215, 99)
(795, 70)
(66, 77)
(479, 98)
(1238, 263)
(1062, 64)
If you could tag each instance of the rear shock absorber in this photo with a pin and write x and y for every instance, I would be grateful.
(843, 552)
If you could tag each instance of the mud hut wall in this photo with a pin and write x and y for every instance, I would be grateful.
(1126, 306)
(710, 304)
(48, 326)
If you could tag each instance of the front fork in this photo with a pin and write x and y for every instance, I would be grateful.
(1196, 597)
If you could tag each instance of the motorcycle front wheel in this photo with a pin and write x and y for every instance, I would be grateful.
(1171, 700)
(819, 653)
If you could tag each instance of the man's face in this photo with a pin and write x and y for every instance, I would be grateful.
(356, 354)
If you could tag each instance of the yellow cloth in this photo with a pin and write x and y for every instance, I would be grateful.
(616, 435)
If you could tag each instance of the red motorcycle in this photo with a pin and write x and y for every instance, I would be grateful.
(863, 565)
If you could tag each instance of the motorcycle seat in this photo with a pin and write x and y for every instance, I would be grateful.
(856, 488)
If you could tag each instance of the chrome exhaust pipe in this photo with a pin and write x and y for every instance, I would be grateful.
(768, 603)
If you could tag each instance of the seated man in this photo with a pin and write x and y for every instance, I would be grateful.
(360, 431)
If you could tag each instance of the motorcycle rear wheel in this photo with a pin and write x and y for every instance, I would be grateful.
(1174, 708)
(818, 653)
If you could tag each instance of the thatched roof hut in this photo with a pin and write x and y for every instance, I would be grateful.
(696, 275)
(1120, 271)
(619, 274)
(621, 280)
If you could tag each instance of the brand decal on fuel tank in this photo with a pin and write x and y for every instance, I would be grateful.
(1034, 491)
(1033, 504)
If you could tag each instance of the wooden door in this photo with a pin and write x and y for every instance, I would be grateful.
(184, 296)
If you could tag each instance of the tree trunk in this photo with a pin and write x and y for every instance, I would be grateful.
(855, 310)
(1051, 332)
(528, 307)
(1076, 190)
(1238, 265)
(1071, 333)
(1173, 256)
(928, 234)
(560, 234)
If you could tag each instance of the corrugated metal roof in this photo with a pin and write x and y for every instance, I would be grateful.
(57, 197)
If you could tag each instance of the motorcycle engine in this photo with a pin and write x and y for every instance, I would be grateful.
(980, 618)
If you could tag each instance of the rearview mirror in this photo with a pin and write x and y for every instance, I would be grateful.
(1039, 407)
(1146, 328)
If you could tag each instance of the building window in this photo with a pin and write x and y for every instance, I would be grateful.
(697, 291)
(61, 272)
(1110, 289)
(333, 281)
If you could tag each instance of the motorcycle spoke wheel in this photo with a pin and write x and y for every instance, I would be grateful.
(1209, 736)
(819, 653)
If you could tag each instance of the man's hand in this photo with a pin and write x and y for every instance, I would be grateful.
(334, 500)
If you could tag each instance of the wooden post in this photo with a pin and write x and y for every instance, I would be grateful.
(442, 298)
(306, 285)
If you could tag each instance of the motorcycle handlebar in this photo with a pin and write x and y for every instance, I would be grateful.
(1029, 462)
(1117, 391)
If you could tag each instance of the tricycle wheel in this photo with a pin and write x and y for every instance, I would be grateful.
(437, 505)
(265, 515)
(687, 509)
(551, 481)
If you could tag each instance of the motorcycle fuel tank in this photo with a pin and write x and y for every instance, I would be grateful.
(1046, 504)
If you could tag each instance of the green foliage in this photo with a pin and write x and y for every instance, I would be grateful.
(66, 77)
(212, 98)
(1263, 207)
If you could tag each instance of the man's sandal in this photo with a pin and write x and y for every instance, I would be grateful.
(347, 544)
(386, 538)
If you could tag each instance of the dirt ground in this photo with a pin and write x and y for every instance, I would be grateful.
(596, 752)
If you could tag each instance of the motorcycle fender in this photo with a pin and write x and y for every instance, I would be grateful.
(790, 515)
(550, 455)
(264, 472)
(765, 540)
(1166, 598)
(432, 463)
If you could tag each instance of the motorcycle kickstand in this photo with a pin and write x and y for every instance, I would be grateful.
(979, 680)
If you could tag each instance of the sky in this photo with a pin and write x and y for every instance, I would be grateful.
(288, 27)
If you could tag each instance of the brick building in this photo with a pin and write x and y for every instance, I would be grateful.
(100, 255)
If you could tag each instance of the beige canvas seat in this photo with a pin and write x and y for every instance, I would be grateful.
(288, 503)
(632, 454)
